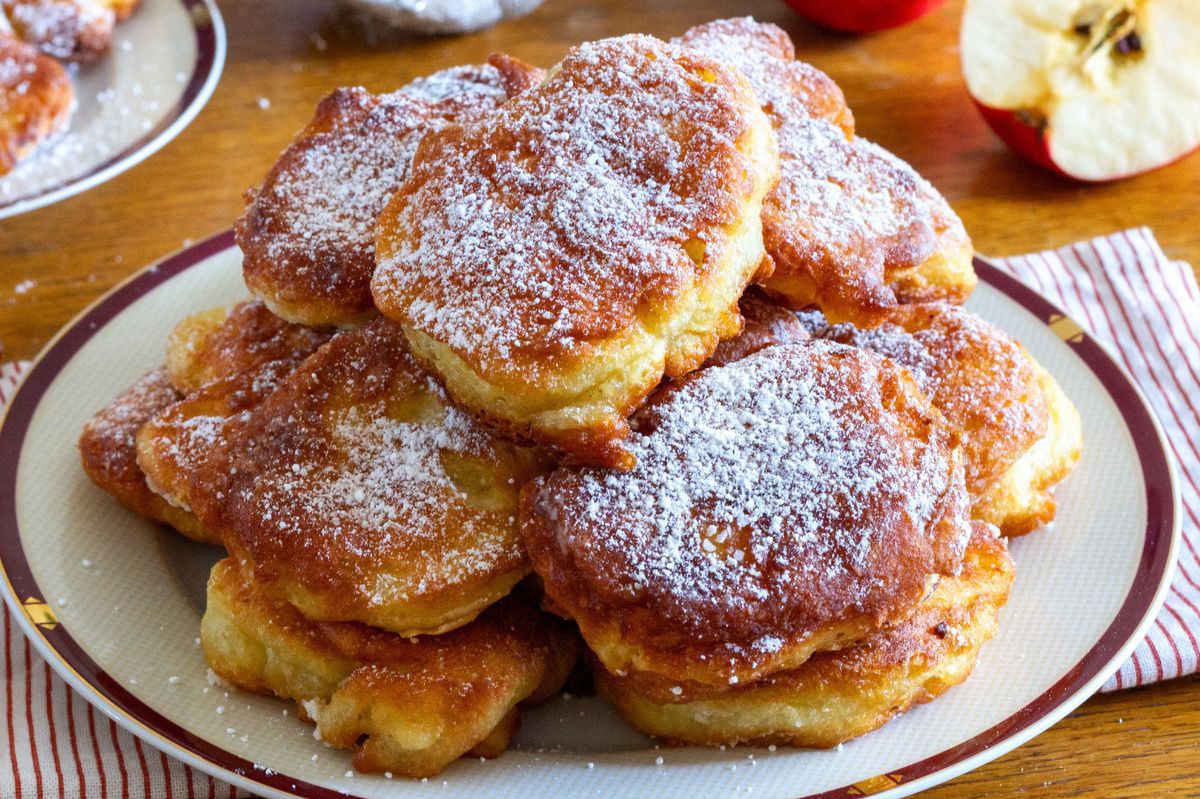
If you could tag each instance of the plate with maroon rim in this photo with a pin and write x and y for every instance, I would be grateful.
(121, 628)
(163, 67)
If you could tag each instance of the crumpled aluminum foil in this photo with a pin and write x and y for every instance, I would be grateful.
(443, 16)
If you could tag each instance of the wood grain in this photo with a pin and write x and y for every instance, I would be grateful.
(906, 92)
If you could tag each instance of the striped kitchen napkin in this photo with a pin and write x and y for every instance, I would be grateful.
(1121, 287)
(1130, 296)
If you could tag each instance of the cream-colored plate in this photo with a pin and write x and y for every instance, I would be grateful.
(164, 64)
(1084, 593)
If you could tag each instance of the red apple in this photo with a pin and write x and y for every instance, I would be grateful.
(1092, 90)
(863, 16)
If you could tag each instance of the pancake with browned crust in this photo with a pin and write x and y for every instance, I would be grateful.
(848, 219)
(794, 501)
(70, 30)
(240, 354)
(357, 493)
(765, 324)
(789, 90)
(108, 449)
(245, 342)
(409, 706)
(225, 363)
(1022, 499)
(949, 272)
(1020, 433)
(35, 100)
(554, 261)
(836, 696)
(308, 232)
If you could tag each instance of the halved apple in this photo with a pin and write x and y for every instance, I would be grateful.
(862, 16)
(1095, 90)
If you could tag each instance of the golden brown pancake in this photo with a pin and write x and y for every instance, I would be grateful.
(794, 501)
(410, 706)
(836, 696)
(225, 364)
(788, 89)
(1020, 434)
(766, 323)
(1022, 500)
(245, 350)
(949, 273)
(108, 448)
(245, 342)
(71, 30)
(976, 374)
(308, 233)
(848, 219)
(35, 100)
(553, 262)
(357, 493)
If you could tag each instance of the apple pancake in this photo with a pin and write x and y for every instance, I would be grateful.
(246, 340)
(308, 232)
(36, 97)
(1023, 499)
(794, 501)
(410, 706)
(553, 262)
(108, 449)
(848, 219)
(71, 30)
(357, 493)
(246, 350)
(225, 363)
(836, 696)
(1020, 433)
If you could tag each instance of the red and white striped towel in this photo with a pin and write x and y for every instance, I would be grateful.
(53, 743)
(1129, 295)
(1121, 287)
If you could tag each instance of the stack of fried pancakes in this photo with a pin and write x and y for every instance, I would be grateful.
(655, 325)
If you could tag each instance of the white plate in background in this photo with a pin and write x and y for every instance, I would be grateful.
(164, 64)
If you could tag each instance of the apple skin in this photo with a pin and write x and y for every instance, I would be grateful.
(1034, 145)
(1021, 137)
(862, 16)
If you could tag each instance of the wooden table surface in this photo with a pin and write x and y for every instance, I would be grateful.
(906, 92)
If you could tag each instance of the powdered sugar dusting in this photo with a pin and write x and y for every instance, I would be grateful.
(889, 340)
(853, 196)
(840, 198)
(389, 492)
(343, 178)
(768, 494)
(334, 187)
(110, 434)
(61, 28)
(469, 85)
(15, 73)
(239, 364)
(975, 374)
(544, 226)
(786, 88)
(351, 466)
(311, 225)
